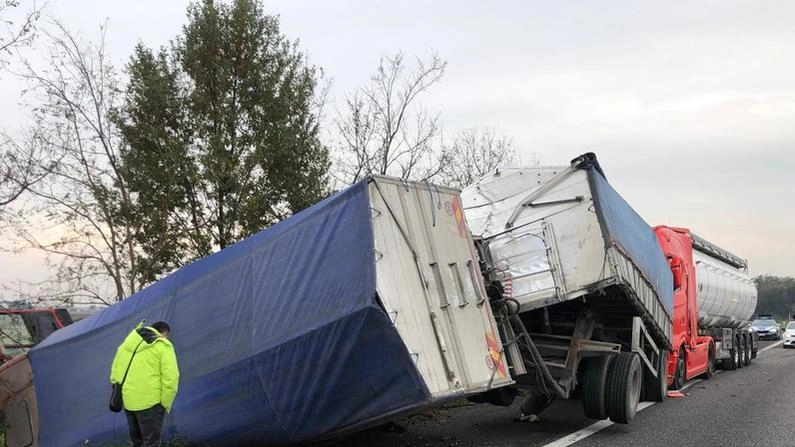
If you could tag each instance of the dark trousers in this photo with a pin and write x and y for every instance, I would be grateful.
(145, 426)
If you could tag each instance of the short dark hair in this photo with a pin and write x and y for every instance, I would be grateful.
(161, 326)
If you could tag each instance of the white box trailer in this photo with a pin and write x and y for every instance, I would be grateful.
(430, 284)
(579, 283)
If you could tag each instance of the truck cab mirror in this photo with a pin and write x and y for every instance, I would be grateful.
(678, 273)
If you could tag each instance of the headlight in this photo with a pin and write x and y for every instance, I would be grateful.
(787, 335)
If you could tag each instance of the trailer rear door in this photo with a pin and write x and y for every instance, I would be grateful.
(429, 282)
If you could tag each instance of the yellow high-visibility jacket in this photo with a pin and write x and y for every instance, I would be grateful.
(154, 375)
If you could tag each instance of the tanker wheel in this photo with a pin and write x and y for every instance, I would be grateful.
(593, 385)
(747, 351)
(655, 389)
(730, 363)
(740, 352)
(623, 387)
(680, 373)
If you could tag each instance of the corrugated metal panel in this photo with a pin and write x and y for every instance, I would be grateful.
(490, 202)
(429, 282)
(554, 250)
(544, 232)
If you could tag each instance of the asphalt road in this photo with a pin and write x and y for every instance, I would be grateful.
(749, 407)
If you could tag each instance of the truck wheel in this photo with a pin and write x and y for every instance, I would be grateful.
(623, 387)
(680, 373)
(730, 363)
(740, 352)
(593, 386)
(655, 389)
(746, 351)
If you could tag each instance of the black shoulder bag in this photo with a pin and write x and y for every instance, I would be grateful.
(116, 402)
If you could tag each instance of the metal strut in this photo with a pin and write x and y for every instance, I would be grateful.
(509, 315)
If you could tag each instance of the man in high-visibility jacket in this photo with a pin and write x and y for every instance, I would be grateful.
(146, 365)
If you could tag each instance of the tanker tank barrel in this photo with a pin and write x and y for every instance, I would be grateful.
(713, 250)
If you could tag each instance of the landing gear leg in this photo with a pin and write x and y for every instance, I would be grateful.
(533, 406)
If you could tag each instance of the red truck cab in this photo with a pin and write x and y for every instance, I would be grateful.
(715, 330)
(692, 355)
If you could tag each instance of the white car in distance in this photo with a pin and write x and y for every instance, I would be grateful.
(789, 335)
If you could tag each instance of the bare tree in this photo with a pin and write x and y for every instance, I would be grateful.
(474, 153)
(18, 165)
(20, 32)
(384, 130)
(21, 166)
(79, 211)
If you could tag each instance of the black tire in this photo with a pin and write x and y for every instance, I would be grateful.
(747, 351)
(711, 366)
(741, 352)
(594, 379)
(624, 383)
(680, 373)
(730, 363)
(655, 389)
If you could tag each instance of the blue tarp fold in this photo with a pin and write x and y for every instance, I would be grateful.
(624, 228)
(279, 339)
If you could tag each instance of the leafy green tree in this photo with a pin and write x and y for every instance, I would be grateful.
(776, 296)
(223, 133)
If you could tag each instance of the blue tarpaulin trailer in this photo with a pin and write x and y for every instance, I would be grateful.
(366, 306)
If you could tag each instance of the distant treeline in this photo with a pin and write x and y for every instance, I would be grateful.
(776, 296)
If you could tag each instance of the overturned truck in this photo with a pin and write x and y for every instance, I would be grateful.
(581, 290)
(361, 308)
(378, 302)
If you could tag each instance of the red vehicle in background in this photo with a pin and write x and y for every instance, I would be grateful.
(714, 299)
(21, 329)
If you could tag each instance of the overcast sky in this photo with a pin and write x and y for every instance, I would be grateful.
(688, 105)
